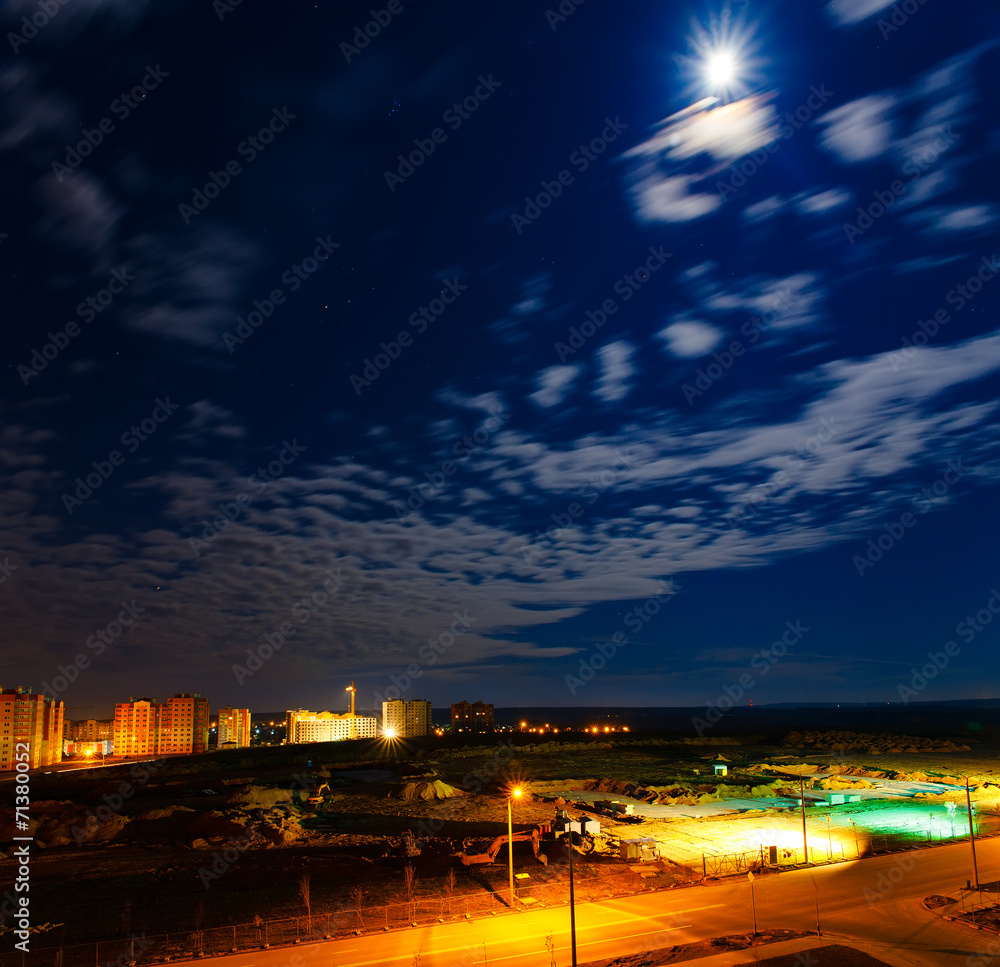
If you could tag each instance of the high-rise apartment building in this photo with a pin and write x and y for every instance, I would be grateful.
(471, 717)
(234, 728)
(88, 730)
(406, 720)
(178, 726)
(303, 726)
(30, 724)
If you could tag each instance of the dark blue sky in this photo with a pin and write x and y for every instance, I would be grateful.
(667, 344)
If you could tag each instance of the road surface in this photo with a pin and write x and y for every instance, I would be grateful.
(875, 901)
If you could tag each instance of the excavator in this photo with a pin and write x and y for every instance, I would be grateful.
(521, 836)
(579, 832)
(316, 797)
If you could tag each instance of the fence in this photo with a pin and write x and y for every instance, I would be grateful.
(551, 887)
(820, 851)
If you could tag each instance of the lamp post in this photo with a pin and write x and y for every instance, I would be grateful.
(802, 800)
(753, 905)
(572, 899)
(972, 837)
(515, 793)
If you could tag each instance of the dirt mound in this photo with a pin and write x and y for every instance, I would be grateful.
(874, 743)
(435, 789)
(259, 797)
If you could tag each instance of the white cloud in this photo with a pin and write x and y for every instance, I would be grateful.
(616, 369)
(846, 12)
(670, 198)
(689, 339)
(823, 201)
(553, 385)
(761, 211)
(861, 130)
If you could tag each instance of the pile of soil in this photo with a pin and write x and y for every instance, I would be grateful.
(876, 744)
(434, 789)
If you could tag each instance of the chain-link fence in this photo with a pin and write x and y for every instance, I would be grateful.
(550, 886)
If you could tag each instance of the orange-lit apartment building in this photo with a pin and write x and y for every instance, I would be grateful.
(234, 728)
(145, 727)
(32, 720)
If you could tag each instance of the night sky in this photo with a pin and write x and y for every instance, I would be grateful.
(463, 343)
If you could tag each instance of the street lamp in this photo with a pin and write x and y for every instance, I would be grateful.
(515, 793)
(972, 837)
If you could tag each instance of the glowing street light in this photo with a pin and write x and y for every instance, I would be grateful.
(515, 793)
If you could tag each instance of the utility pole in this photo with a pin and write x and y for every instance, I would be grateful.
(572, 908)
(802, 800)
(972, 837)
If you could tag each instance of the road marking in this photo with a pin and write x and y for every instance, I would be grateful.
(507, 940)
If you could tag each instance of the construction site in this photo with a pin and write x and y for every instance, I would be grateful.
(356, 842)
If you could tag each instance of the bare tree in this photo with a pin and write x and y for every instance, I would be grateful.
(358, 899)
(409, 879)
(198, 917)
(304, 897)
(449, 885)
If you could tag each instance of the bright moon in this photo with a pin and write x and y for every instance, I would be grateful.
(720, 68)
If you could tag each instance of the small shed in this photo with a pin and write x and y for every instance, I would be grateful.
(720, 768)
(642, 850)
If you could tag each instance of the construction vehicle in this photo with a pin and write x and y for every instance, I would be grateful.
(578, 832)
(316, 797)
(521, 836)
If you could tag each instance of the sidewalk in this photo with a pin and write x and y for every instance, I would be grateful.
(789, 948)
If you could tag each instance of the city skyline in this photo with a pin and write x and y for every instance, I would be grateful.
(602, 360)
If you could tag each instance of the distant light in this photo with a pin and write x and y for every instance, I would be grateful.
(390, 733)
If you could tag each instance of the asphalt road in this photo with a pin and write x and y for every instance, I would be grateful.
(876, 901)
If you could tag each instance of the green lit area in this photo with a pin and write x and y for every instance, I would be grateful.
(916, 821)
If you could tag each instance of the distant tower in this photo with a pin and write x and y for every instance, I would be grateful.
(353, 691)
